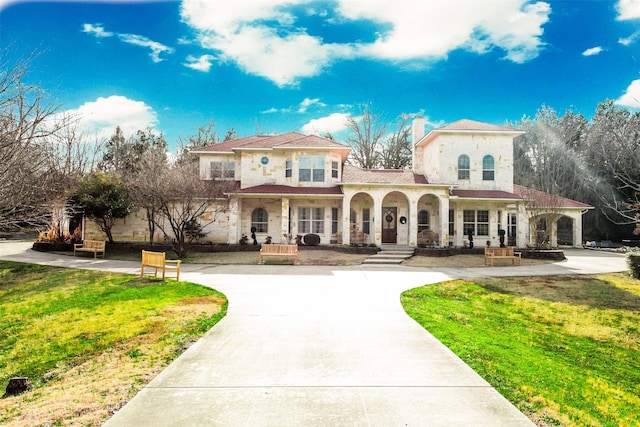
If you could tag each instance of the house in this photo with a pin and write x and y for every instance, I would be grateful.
(460, 187)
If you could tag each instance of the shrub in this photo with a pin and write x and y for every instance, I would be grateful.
(311, 239)
(633, 259)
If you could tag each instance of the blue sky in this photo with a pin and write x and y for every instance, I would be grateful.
(271, 66)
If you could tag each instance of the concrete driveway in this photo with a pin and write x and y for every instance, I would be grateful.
(320, 346)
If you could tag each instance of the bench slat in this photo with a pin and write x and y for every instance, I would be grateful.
(502, 253)
(159, 261)
(95, 246)
(279, 250)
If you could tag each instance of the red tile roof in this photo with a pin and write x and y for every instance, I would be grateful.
(287, 140)
(471, 125)
(563, 202)
(519, 193)
(286, 190)
(352, 175)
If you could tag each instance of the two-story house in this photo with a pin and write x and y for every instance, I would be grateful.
(460, 186)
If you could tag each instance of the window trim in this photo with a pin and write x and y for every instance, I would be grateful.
(464, 167)
(488, 168)
(227, 169)
(335, 168)
(316, 169)
(422, 225)
(313, 218)
(477, 224)
(259, 222)
(366, 220)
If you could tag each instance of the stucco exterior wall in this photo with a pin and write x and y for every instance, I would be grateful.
(441, 160)
(135, 228)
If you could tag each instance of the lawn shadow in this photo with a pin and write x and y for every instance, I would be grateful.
(583, 290)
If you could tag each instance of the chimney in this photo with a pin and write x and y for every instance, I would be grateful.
(417, 133)
(417, 129)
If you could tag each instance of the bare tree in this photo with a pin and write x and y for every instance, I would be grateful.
(26, 120)
(613, 155)
(146, 186)
(545, 156)
(396, 150)
(184, 200)
(367, 132)
(205, 137)
(543, 210)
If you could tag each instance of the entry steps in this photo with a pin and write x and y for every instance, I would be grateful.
(390, 255)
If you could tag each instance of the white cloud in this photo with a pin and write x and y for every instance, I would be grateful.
(631, 97)
(100, 117)
(592, 51)
(333, 123)
(263, 39)
(202, 63)
(430, 30)
(628, 9)
(308, 102)
(156, 48)
(627, 41)
(96, 30)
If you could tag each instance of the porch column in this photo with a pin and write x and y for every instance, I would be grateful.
(377, 219)
(346, 220)
(553, 233)
(234, 222)
(413, 222)
(284, 221)
(444, 221)
(577, 231)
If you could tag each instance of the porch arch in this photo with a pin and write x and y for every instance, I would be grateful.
(429, 233)
(396, 218)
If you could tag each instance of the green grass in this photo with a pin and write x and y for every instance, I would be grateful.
(564, 350)
(53, 320)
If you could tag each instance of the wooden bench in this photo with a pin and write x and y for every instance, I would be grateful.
(356, 237)
(428, 238)
(159, 261)
(95, 246)
(279, 250)
(491, 254)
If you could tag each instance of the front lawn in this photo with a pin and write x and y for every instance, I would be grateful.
(564, 350)
(88, 340)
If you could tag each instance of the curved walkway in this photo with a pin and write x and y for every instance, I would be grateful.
(320, 346)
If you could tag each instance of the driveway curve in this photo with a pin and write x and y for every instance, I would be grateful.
(320, 346)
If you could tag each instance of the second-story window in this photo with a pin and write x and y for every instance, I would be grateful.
(288, 167)
(311, 169)
(463, 166)
(488, 170)
(223, 170)
(334, 169)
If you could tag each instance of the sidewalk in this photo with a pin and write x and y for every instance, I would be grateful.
(320, 346)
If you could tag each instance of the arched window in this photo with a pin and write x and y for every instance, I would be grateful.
(488, 171)
(423, 220)
(463, 167)
(260, 220)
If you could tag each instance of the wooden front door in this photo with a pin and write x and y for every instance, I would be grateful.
(389, 225)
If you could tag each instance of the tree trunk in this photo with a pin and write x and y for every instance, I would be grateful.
(17, 386)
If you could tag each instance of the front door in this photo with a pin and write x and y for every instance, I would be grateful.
(389, 225)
